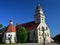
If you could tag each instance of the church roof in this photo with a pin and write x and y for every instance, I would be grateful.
(28, 26)
(11, 27)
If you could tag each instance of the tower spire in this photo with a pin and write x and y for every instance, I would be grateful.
(39, 16)
(38, 2)
(38, 5)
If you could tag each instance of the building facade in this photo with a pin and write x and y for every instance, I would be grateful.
(38, 31)
(10, 34)
(40, 18)
(35, 28)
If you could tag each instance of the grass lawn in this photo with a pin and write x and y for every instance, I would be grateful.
(7, 44)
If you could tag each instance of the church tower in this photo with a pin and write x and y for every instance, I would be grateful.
(43, 31)
(39, 16)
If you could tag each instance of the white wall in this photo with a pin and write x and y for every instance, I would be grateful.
(11, 35)
(46, 32)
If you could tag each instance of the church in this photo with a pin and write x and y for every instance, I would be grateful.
(38, 31)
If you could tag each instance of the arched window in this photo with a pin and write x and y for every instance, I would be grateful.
(42, 28)
(39, 28)
(8, 34)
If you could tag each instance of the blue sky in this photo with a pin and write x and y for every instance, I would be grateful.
(22, 11)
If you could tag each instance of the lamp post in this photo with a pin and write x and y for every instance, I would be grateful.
(43, 36)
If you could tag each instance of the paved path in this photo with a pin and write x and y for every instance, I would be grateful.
(38, 44)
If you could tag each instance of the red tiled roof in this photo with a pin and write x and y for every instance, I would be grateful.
(11, 28)
(28, 26)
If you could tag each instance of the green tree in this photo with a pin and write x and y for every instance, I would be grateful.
(4, 29)
(22, 35)
(57, 38)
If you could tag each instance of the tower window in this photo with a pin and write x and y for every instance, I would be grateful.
(46, 28)
(42, 19)
(43, 28)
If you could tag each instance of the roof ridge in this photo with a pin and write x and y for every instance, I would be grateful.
(26, 22)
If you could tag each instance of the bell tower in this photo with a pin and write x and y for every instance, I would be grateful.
(39, 16)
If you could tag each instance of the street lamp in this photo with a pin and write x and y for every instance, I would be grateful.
(43, 36)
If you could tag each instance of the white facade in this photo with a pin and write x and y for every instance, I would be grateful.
(10, 37)
(10, 34)
(40, 18)
(46, 33)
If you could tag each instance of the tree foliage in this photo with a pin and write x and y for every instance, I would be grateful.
(1, 25)
(57, 38)
(2, 28)
(22, 35)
